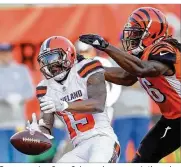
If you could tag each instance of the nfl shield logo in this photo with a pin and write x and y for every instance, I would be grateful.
(64, 88)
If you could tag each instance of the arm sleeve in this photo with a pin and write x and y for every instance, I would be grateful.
(163, 52)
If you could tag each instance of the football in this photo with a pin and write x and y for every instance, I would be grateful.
(30, 142)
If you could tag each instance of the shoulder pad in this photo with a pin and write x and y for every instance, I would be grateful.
(163, 52)
(162, 46)
(41, 89)
(89, 66)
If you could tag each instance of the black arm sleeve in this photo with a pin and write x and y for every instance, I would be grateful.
(165, 57)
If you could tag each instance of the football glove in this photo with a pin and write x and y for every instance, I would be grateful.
(95, 40)
(50, 105)
(35, 127)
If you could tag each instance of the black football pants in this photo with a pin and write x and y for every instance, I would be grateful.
(161, 140)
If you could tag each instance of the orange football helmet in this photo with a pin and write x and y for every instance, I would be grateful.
(145, 26)
(57, 56)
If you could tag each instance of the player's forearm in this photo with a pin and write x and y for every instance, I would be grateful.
(46, 122)
(86, 106)
(129, 63)
(119, 76)
(45, 130)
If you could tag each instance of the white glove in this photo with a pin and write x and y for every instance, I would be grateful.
(35, 127)
(49, 105)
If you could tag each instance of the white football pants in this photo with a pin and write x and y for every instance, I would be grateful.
(96, 149)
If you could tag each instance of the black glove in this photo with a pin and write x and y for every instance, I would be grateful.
(95, 40)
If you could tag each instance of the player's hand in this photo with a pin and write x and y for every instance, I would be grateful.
(49, 105)
(35, 127)
(95, 40)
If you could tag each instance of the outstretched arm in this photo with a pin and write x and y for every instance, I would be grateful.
(130, 63)
(134, 65)
(119, 76)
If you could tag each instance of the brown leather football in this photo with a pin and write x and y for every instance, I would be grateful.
(30, 142)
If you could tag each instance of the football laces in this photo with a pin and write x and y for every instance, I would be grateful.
(31, 140)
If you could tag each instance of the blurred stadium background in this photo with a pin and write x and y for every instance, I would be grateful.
(24, 27)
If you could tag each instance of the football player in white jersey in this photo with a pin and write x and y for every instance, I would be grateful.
(74, 90)
(113, 90)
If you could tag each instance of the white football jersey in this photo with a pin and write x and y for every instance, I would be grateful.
(74, 88)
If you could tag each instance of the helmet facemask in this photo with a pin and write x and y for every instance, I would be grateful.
(54, 64)
(131, 38)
